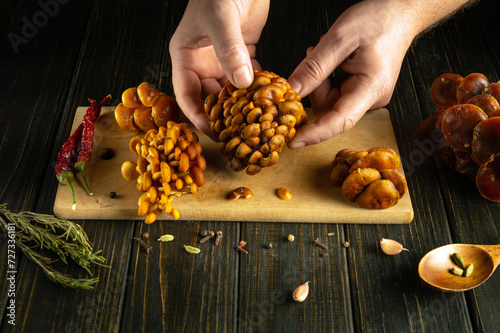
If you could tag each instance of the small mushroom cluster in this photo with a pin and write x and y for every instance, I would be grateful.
(465, 129)
(144, 108)
(169, 164)
(369, 178)
(255, 123)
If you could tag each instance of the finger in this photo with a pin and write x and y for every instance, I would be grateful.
(188, 95)
(346, 112)
(233, 53)
(324, 97)
(209, 85)
(319, 63)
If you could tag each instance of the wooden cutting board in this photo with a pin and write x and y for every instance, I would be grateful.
(305, 172)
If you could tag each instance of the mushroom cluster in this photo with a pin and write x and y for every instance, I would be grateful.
(144, 108)
(169, 164)
(369, 178)
(255, 123)
(465, 129)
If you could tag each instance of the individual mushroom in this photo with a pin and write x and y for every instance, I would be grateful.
(472, 85)
(488, 180)
(357, 181)
(379, 194)
(487, 103)
(486, 141)
(378, 158)
(458, 123)
(444, 89)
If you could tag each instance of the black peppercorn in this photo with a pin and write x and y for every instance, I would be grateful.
(268, 246)
(112, 195)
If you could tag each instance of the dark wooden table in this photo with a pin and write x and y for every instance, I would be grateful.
(65, 52)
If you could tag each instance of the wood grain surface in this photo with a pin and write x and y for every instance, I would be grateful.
(305, 172)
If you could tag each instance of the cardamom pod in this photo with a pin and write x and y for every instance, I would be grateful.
(192, 249)
(166, 238)
(468, 270)
(458, 260)
(457, 271)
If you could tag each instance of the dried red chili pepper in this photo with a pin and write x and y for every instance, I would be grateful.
(66, 156)
(87, 142)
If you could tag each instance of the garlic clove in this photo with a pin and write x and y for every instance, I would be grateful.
(391, 247)
(301, 292)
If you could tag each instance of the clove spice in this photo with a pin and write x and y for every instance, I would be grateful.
(241, 249)
(144, 245)
(318, 243)
(210, 234)
(218, 237)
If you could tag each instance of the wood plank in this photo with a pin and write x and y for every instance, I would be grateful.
(31, 108)
(269, 277)
(305, 172)
(424, 309)
(472, 218)
(94, 75)
(41, 298)
(371, 270)
(175, 291)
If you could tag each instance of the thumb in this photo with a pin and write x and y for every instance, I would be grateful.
(232, 53)
(318, 65)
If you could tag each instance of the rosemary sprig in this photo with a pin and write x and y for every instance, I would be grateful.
(63, 237)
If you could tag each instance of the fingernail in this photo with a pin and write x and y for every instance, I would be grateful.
(297, 145)
(295, 84)
(243, 77)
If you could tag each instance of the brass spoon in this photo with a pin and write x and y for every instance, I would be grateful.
(434, 267)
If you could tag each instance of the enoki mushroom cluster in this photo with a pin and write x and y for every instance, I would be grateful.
(369, 178)
(465, 130)
(255, 123)
(169, 164)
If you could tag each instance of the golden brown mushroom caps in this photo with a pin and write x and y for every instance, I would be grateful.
(339, 173)
(130, 98)
(397, 179)
(378, 158)
(143, 119)
(380, 194)
(125, 118)
(147, 94)
(357, 181)
(165, 109)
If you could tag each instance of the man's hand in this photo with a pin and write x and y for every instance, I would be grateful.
(368, 42)
(215, 41)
